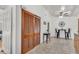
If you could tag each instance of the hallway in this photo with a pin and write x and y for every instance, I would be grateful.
(55, 46)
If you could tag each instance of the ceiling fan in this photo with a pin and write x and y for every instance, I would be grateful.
(63, 12)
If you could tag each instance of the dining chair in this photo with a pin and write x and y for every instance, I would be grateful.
(68, 33)
(57, 32)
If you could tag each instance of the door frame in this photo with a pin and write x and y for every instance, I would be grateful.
(16, 29)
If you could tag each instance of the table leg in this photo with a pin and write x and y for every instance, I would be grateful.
(47, 39)
(43, 38)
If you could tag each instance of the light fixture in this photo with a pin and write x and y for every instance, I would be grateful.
(60, 16)
(63, 12)
(62, 8)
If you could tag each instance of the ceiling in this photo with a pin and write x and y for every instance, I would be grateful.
(3, 7)
(52, 9)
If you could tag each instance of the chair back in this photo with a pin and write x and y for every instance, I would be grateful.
(69, 30)
(56, 30)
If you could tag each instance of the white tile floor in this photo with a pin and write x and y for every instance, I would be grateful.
(55, 46)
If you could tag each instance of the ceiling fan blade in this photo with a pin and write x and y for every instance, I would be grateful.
(67, 12)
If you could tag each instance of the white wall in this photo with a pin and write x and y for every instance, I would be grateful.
(5, 26)
(71, 22)
(13, 29)
(16, 29)
(1, 21)
(15, 45)
(14, 32)
(40, 11)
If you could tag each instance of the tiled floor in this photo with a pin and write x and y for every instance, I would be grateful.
(55, 46)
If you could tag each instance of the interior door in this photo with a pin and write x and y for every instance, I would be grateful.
(31, 28)
(30, 31)
(34, 34)
(36, 31)
(6, 31)
(25, 32)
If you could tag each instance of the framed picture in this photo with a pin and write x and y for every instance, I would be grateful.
(61, 24)
(44, 23)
